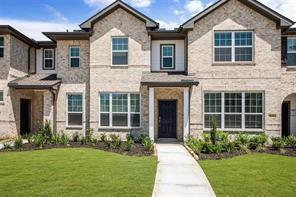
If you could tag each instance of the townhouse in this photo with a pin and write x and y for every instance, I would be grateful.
(120, 73)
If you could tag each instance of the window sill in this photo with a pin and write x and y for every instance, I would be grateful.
(234, 64)
(1, 102)
(74, 127)
(291, 68)
(238, 130)
(119, 66)
(119, 128)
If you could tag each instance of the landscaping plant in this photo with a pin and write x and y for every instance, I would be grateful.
(55, 139)
(39, 140)
(83, 140)
(257, 142)
(18, 143)
(213, 130)
(278, 143)
(103, 137)
(148, 144)
(65, 139)
(94, 141)
(115, 140)
(6, 145)
(129, 143)
(290, 141)
(46, 130)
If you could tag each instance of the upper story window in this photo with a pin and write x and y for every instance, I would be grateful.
(1, 96)
(1, 47)
(291, 55)
(75, 109)
(167, 56)
(234, 46)
(48, 59)
(119, 51)
(74, 56)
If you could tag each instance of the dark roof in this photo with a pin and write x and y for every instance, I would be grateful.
(163, 79)
(76, 35)
(118, 4)
(161, 34)
(44, 44)
(35, 81)
(290, 31)
(7, 29)
(253, 4)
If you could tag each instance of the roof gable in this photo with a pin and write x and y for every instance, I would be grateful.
(253, 4)
(118, 4)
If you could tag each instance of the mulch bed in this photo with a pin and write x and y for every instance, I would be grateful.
(137, 149)
(291, 152)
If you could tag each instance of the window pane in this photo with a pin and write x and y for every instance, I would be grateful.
(253, 103)
(1, 95)
(75, 103)
(243, 54)
(291, 59)
(222, 38)
(291, 44)
(233, 102)
(48, 63)
(253, 121)
(104, 102)
(75, 119)
(167, 62)
(119, 102)
(208, 120)
(74, 51)
(119, 58)
(119, 120)
(212, 102)
(1, 41)
(135, 120)
(135, 102)
(233, 121)
(104, 119)
(223, 54)
(243, 39)
(1, 52)
(167, 50)
(48, 54)
(74, 62)
(119, 44)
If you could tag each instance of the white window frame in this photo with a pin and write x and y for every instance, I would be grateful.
(292, 52)
(243, 128)
(119, 51)
(172, 56)
(2, 47)
(128, 111)
(47, 58)
(67, 110)
(233, 47)
(70, 56)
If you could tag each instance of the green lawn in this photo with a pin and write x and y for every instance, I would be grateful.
(252, 175)
(75, 172)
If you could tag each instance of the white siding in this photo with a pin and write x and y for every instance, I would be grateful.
(39, 63)
(179, 56)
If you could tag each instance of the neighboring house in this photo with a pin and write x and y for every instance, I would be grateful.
(121, 73)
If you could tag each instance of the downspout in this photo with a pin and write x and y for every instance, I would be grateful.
(54, 97)
(29, 59)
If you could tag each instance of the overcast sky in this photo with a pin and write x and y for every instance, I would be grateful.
(31, 17)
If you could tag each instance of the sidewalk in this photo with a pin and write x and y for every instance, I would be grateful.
(178, 174)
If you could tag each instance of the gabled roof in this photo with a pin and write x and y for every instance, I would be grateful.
(7, 29)
(253, 4)
(118, 4)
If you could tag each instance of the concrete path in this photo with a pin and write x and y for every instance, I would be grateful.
(178, 174)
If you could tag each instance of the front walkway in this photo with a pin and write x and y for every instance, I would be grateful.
(178, 174)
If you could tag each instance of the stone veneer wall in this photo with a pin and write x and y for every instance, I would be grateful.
(263, 74)
(107, 78)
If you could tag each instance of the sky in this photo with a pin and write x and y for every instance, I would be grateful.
(32, 17)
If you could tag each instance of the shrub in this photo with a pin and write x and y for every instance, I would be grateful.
(55, 139)
(148, 144)
(228, 146)
(83, 140)
(222, 136)
(242, 139)
(278, 143)
(115, 140)
(103, 137)
(75, 137)
(45, 130)
(65, 139)
(18, 143)
(195, 144)
(139, 139)
(89, 133)
(213, 130)
(39, 140)
(129, 143)
(94, 141)
(7, 145)
(206, 137)
(290, 141)
(258, 141)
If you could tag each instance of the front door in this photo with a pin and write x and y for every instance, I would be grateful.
(167, 119)
(285, 119)
(25, 116)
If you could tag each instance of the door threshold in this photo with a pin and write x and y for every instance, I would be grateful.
(167, 140)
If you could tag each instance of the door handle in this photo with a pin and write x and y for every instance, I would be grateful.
(159, 119)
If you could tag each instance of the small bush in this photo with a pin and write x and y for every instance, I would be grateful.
(139, 139)
(148, 144)
(89, 133)
(258, 141)
(115, 140)
(222, 136)
(228, 146)
(46, 130)
(278, 143)
(65, 139)
(83, 140)
(213, 130)
(242, 139)
(76, 137)
(39, 140)
(18, 143)
(206, 137)
(6, 145)
(290, 141)
(195, 144)
(129, 143)
(103, 137)
(94, 141)
(55, 139)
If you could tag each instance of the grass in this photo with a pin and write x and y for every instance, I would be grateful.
(252, 175)
(75, 172)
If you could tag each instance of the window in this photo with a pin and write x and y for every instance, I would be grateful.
(291, 56)
(1, 96)
(74, 56)
(1, 46)
(75, 109)
(233, 46)
(119, 110)
(119, 51)
(48, 59)
(234, 110)
(167, 56)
